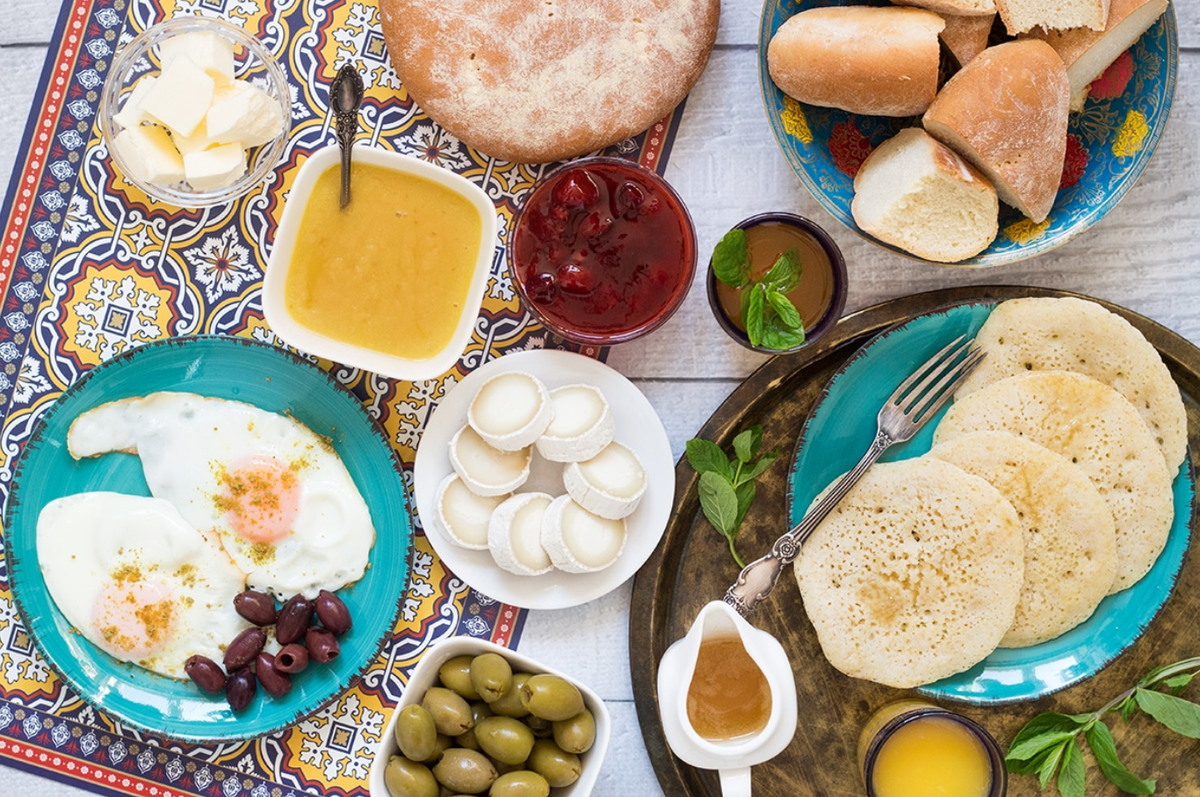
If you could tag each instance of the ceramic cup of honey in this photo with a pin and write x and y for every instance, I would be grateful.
(913, 748)
(727, 697)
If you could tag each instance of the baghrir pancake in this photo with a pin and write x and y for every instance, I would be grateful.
(1070, 541)
(1069, 334)
(915, 575)
(1095, 427)
(535, 81)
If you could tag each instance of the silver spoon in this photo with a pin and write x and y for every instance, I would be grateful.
(345, 97)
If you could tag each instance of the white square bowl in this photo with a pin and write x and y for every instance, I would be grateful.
(425, 674)
(300, 336)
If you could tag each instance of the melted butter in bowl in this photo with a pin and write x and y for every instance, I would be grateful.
(392, 283)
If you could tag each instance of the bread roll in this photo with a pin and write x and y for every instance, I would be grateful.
(876, 61)
(917, 194)
(1087, 53)
(1021, 16)
(1006, 112)
(967, 36)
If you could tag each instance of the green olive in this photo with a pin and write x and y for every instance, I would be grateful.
(521, 783)
(557, 766)
(504, 739)
(541, 728)
(509, 704)
(406, 778)
(577, 734)
(551, 697)
(456, 676)
(491, 675)
(467, 739)
(466, 771)
(451, 714)
(440, 745)
(416, 735)
(480, 711)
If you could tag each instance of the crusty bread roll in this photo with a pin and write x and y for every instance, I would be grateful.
(1087, 53)
(967, 36)
(1021, 16)
(876, 61)
(535, 81)
(974, 8)
(1006, 112)
(915, 193)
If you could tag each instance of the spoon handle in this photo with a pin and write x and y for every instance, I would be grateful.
(345, 97)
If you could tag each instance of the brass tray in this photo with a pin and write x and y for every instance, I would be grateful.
(692, 566)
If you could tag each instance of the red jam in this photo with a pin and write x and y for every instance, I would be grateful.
(603, 251)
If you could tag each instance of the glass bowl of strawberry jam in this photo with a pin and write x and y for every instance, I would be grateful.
(602, 251)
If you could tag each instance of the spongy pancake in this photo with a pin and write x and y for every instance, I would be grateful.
(1070, 541)
(1069, 334)
(1098, 429)
(915, 575)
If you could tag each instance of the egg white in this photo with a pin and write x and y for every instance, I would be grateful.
(277, 494)
(137, 580)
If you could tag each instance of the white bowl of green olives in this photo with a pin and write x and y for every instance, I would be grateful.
(478, 718)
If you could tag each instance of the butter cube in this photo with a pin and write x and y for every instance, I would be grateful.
(149, 155)
(245, 114)
(214, 168)
(210, 51)
(196, 142)
(180, 97)
(131, 113)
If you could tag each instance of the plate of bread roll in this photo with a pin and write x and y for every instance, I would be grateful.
(968, 132)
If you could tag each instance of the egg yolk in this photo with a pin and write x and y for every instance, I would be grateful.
(260, 498)
(135, 617)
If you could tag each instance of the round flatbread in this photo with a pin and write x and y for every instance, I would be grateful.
(535, 81)
(1070, 541)
(1092, 425)
(1069, 334)
(915, 575)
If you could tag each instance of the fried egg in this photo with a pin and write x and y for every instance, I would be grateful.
(137, 580)
(278, 496)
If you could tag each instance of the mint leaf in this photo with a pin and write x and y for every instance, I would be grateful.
(777, 336)
(1050, 763)
(1071, 782)
(783, 307)
(784, 276)
(745, 445)
(718, 502)
(1180, 681)
(754, 314)
(706, 456)
(1041, 733)
(731, 259)
(745, 497)
(1100, 739)
(757, 468)
(1181, 716)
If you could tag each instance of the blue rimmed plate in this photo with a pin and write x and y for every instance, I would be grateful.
(1108, 144)
(840, 427)
(230, 368)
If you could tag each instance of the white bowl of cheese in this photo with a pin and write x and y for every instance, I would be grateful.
(195, 112)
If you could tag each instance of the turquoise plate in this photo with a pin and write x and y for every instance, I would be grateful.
(839, 429)
(1108, 144)
(230, 368)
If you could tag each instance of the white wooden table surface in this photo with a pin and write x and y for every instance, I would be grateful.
(1144, 255)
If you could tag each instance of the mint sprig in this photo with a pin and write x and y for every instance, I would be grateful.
(769, 317)
(727, 487)
(1051, 743)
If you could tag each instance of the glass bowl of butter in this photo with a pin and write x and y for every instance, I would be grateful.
(195, 112)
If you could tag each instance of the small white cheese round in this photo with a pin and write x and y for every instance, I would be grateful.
(511, 410)
(609, 484)
(579, 541)
(515, 534)
(583, 425)
(462, 515)
(485, 470)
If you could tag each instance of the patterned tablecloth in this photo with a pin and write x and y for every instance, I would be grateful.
(90, 267)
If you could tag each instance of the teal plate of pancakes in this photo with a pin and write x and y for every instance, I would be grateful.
(241, 370)
(1109, 143)
(841, 426)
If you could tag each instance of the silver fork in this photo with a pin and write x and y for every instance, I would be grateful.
(918, 399)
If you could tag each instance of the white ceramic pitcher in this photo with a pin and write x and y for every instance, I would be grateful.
(733, 758)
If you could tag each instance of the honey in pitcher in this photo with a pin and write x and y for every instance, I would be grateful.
(729, 697)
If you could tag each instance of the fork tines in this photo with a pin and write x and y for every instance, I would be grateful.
(940, 377)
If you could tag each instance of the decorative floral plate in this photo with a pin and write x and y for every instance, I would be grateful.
(839, 429)
(230, 368)
(1108, 144)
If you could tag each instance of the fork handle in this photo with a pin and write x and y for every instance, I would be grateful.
(758, 578)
